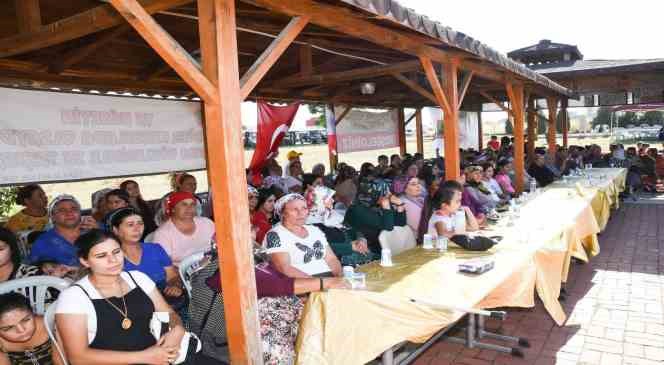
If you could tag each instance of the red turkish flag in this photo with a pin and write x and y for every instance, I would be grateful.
(273, 123)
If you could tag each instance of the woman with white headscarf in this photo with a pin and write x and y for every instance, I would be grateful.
(297, 249)
(349, 246)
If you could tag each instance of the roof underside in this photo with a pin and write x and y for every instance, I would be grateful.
(125, 62)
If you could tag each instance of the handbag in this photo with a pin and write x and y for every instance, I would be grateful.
(473, 243)
(189, 345)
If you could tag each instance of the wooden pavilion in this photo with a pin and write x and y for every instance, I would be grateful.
(224, 52)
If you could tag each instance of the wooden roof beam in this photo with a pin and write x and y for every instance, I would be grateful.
(167, 47)
(77, 55)
(343, 76)
(498, 103)
(28, 15)
(76, 26)
(355, 24)
(415, 86)
(464, 88)
(270, 56)
(441, 99)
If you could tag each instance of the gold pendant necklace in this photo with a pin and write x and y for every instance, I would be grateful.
(126, 322)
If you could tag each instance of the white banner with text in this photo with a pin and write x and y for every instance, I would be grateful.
(365, 130)
(50, 136)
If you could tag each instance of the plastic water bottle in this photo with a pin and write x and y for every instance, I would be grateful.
(460, 222)
(533, 185)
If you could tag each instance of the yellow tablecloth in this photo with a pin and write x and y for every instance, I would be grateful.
(353, 327)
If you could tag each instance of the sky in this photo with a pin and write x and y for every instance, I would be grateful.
(602, 29)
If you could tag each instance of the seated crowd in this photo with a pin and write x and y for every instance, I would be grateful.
(124, 257)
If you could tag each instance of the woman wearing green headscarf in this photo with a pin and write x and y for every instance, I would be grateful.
(375, 209)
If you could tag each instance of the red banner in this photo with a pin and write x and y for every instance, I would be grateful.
(273, 123)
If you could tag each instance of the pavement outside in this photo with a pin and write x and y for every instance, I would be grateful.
(614, 304)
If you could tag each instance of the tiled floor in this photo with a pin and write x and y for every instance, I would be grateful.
(615, 305)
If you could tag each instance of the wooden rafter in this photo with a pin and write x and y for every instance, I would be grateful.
(76, 26)
(306, 60)
(497, 102)
(464, 87)
(270, 56)
(343, 114)
(343, 76)
(167, 47)
(415, 86)
(349, 22)
(77, 55)
(28, 15)
(441, 98)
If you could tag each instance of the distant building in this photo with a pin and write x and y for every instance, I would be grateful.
(598, 82)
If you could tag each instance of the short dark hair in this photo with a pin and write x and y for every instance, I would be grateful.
(444, 195)
(12, 301)
(382, 157)
(452, 184)
(25, 192)
(308, 179)
(9, 238)
(122, 194)
(90, 239)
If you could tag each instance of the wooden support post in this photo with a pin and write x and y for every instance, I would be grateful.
(552, 105)
(270, 56)
(331, 123)
(532, 128)
(167, 47)
(515, 93)
(450, 71)
(418, 131)
(225, 156)
(480, 132)
(563, 110)
(28, 15)
(402, 131)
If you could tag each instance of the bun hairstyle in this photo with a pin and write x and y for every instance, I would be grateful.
(90, 239)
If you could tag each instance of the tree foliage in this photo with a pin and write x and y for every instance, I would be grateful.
(7, 200)
(318, 110)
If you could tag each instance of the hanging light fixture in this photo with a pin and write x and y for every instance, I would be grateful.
(367, 88)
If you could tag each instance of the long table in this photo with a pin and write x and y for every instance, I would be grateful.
(355, 326)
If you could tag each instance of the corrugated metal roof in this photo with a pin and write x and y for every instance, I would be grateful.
(393, 11)
(597, 65)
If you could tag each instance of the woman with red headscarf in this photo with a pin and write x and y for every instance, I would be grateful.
(184, 233)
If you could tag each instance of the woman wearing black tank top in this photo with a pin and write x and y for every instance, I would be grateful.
(105, 317)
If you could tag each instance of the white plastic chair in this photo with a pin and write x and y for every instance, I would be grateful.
(35, 289)
(398, 240)
(187, 267)
(49, 320)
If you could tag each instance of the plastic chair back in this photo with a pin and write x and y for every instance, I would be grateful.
(398, 240)
(35, 289)
(187, 267)
(49, 320)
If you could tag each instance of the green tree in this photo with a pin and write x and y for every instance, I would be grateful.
(318, 110)
(627, 118)
(603, 116)
(509, 128)
(653, 117)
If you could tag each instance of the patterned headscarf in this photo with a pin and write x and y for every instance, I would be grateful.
(281, 203)
(252, 190)
(175, 197)
(370, 191)
(59, 199)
